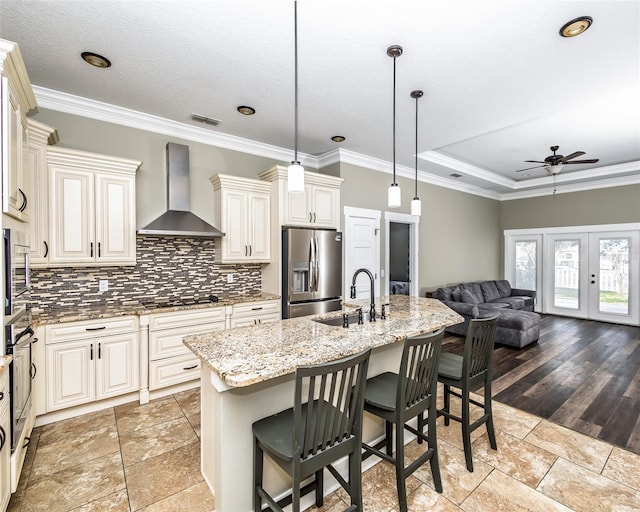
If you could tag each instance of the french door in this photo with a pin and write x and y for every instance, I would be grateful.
(593, 275)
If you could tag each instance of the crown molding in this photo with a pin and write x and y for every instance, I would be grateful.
(85, 107)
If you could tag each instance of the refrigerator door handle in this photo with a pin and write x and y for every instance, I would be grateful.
(312, 262)
(317, 270)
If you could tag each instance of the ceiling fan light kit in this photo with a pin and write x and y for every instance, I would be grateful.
(394, 195)
(553, 164)
(295, 171)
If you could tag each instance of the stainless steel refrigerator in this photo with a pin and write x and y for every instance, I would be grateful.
(311, 271)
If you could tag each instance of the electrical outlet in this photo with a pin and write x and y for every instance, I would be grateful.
(103, 285)
(229, 278)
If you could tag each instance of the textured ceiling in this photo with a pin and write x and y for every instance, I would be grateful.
(500, 84)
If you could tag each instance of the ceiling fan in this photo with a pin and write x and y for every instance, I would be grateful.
(553, 163)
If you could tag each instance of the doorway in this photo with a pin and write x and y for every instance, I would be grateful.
(401, 253)
(361, 249)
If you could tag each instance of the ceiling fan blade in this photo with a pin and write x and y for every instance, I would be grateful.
(590, 161)
(534, 167)
(572, 155)
(535, 162)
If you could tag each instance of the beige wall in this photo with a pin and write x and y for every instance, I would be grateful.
(603, 206)
(112, 139)
(460, 237)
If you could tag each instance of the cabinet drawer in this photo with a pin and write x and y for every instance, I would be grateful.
(256, 308)
(184, 318)
(168, 342)
(173, 370)
(87, 329)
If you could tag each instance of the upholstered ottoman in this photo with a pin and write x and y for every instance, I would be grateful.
(515, 327)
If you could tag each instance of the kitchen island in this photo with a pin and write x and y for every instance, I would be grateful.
(249, 373)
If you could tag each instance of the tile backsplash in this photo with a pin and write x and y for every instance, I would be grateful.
(167, 267)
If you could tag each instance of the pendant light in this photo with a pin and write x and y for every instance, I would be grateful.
(394, 196)
(416, 205)
(295, 171)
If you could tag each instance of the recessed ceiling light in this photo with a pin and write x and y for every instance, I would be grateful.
(576, 27)
(338, 138)
(247, 111)
(96, 60)
(455, 175)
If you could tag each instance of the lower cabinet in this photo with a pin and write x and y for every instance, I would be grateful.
(170, 361)
(91, 360)
(5, 441)
(252, 313)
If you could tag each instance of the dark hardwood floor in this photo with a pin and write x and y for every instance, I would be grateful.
(581, 374)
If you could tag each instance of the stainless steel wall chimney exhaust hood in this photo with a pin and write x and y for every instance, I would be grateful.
(178, 220)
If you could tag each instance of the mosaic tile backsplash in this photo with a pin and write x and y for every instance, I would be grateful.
(167, 267)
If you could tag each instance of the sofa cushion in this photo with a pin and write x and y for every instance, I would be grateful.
(494, 305)
(514, 302)
(504, 287)
(444, 293)
(528, 301)
(456, 294)
(489, 291)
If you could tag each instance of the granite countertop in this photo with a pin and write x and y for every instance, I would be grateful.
(248, 355)
(4, 363)
(135, 308)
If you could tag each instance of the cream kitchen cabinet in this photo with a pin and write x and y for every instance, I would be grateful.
(5, 441)
(92, 205)
(252, 313)
(91, 360)
(170, 361)
(243, 212)
(40, 135)
(318, 206)
(17, 99)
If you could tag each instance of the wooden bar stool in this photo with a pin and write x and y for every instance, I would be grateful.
(466, 371)
(397, 398)
(323, 428)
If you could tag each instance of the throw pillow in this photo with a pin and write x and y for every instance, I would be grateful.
(456, 295)
(504, 288)
(489, 291)
(469, 297)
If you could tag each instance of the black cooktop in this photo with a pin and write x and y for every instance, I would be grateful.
(172, 302)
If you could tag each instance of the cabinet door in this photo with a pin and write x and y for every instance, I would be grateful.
(298, 203)
(5, 454)
(39, 205)
(259, 226)
(12, 158)
(115, 219)
(234, 245)
(72, 221)
(70, 374)
(325, 207)
(116, 365)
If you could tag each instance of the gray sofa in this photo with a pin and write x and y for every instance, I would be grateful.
(517, 325)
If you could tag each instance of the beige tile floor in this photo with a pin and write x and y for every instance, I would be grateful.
(146, 457)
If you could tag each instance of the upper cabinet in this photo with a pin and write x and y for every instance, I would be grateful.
(92, 208)
(40, 136)
(318, 206)
(243, 212)
(16, 100)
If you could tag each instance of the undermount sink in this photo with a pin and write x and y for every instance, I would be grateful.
(337, 321)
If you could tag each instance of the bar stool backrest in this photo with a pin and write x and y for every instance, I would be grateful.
(328, 405)
(478, 349)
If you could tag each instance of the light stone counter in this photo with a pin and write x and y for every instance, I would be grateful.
(249, 373)
(248, 355)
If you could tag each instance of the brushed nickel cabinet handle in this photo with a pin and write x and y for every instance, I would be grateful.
(191, 367)
(46, 249)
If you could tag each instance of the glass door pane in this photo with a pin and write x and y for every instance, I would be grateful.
(526, 264)
(613, 286)
(566, 281)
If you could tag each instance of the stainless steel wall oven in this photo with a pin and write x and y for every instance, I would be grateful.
(19, 337)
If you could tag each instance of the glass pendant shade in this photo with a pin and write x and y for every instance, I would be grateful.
(416, 206)
(394, 196)
(295, 177)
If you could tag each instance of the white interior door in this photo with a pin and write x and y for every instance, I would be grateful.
(361, 250)
(613, 277)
